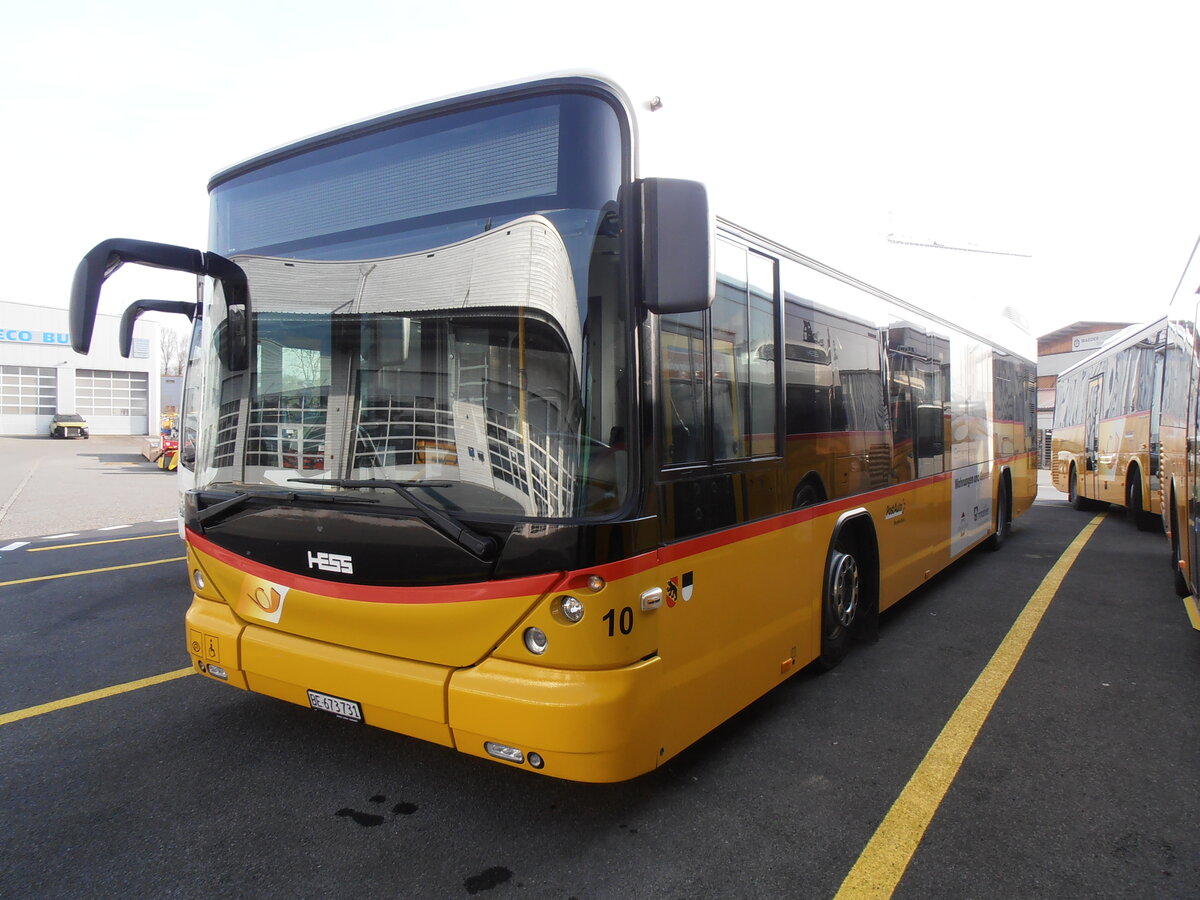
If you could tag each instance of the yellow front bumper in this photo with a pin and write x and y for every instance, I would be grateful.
(586, 725)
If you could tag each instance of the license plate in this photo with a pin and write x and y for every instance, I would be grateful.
(343, 709)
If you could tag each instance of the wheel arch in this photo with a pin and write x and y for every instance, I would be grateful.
(857, 526)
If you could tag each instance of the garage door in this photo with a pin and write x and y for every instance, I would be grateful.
(113, 402)
(27, 398)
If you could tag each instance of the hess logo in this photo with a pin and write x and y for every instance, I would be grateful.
(331, 562)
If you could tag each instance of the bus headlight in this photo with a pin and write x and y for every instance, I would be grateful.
(571, 609)
(536, 641)
(198, 580)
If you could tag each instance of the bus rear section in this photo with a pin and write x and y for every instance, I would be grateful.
(1180, 433)
(1106, 443)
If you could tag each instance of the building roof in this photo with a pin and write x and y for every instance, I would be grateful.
(1083, 328)
(1060, 341)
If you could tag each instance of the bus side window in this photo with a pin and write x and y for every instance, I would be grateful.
(683, 373)
(730, 359)
(718, 384)
(764, 394)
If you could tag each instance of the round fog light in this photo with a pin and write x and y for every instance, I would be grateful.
(198, 580)
(572, 609)
(536, 641)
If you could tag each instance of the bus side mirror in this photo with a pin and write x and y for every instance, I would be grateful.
(232, 338)
(140, 306)
(108, 256)
(678, 267)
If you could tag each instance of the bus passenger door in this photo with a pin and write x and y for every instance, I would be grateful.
(1089, 482)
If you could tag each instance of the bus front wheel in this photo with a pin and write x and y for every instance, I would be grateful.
(841, 602)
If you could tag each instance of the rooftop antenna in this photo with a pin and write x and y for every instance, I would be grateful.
(894, 239)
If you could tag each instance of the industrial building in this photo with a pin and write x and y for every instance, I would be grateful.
(41, 375)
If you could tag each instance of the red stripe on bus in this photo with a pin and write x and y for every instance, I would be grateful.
(708, 542)
(532, 585)
(538, 585)
(1136, 414)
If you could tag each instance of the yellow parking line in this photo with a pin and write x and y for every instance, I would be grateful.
(144, 537)
(886, 856)
(30, 712)
(153, 562)
(1193, 611)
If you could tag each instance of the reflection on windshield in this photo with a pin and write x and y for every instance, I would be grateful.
(462, 365)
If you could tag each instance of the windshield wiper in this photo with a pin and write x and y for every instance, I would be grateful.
(459, 532)
(241, 498)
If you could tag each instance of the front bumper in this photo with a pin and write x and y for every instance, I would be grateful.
(587, 725)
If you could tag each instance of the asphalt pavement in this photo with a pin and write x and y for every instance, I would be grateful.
(49, 486)
(127, 774)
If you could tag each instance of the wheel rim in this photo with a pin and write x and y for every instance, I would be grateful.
(843, 589)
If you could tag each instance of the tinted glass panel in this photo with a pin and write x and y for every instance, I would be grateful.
(683, 375)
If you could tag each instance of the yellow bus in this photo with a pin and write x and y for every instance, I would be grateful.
(493, 443)
(1105, 444)
(1180, 474)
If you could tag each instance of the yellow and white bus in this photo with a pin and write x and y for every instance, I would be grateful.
(1180, 473)
(1105, 446)
(495, 446)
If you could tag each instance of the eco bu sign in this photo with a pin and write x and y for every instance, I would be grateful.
(22, 336)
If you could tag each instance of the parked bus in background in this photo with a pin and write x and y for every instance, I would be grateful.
(1180, 473)
(1105, 447)
(495, 445)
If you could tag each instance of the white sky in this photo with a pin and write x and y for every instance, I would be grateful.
(1068, 131)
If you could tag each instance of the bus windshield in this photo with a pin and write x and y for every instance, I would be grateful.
(437, 303)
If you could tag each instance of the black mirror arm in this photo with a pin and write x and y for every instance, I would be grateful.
(140, 306)
(108, 256)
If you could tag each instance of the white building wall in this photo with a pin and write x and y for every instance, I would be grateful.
(38, 337)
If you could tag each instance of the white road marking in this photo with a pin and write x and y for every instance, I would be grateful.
(20, 487)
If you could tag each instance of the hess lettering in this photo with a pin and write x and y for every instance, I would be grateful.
(331, 562)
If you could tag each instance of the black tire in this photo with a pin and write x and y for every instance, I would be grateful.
(1003, 521)
(1181, 585)
(841, 602)
(1073, 497)
(1134, 513)
(1133, 499)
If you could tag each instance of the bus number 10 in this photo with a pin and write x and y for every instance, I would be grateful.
(625, 622)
